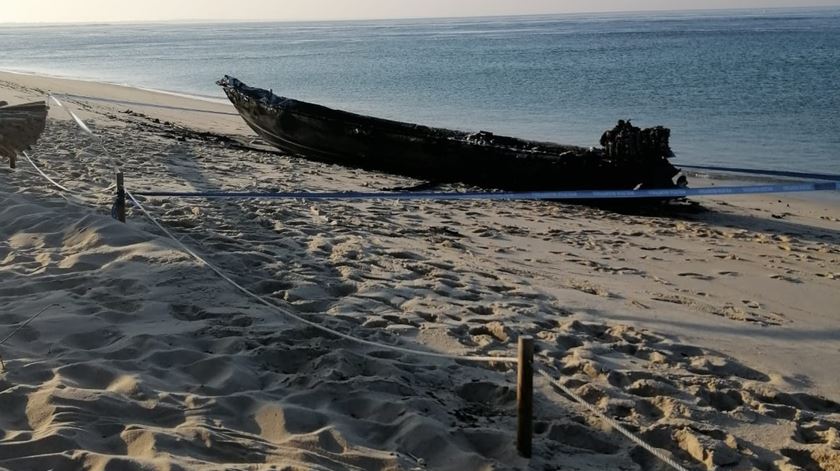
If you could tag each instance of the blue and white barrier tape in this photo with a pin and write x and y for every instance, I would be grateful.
(510, 196)
(768, 173)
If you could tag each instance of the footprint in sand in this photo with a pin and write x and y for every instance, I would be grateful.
(590, 288)
(751, 304)
(810, 459)
(696, 276)
(789, 279)
(817, 433)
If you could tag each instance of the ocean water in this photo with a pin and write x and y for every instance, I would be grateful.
(749, 88)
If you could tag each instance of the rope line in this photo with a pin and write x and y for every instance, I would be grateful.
(87, 130)
(285, 312)
(260, 299)
(834, 185)
(20, 327)
(612, 422)
(509, 196)
(75, 195)
(73, 115)
(27, 322)
(58, 185)
(288, 313)
(769, 173)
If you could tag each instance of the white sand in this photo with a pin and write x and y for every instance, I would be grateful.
(715, 334)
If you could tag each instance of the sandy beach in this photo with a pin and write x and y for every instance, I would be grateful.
(712, 331)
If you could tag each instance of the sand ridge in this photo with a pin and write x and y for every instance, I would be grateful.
(154, 362)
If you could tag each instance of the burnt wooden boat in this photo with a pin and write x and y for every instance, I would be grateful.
(20, 126)
(630, 158)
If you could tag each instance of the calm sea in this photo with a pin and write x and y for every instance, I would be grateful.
(748, 88)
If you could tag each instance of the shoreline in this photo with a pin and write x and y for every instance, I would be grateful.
(707, 330)
(753, 162)
(128, 86)
(128, 95)
(225, 121)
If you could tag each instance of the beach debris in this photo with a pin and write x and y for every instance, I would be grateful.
(21, 126)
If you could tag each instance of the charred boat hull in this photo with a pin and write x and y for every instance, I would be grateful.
(441, 155)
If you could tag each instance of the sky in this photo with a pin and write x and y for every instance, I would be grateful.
(83, 11)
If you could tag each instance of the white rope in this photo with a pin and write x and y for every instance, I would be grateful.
(484, 359)
(58, 185)
(72, 115)
(27, 322)
(21, 326)
(74, 195)
(613, 423)
(86, 129)
(285, 312)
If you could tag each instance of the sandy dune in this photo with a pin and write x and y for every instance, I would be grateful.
(711, 331)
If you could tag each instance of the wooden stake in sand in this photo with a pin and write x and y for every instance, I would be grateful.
(13, 160)
(525, 396)
(119, 206)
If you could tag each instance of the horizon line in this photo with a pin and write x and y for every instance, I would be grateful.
(376, 19)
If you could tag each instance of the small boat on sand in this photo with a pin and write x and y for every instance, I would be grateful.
(630, 158)
(20, 126)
